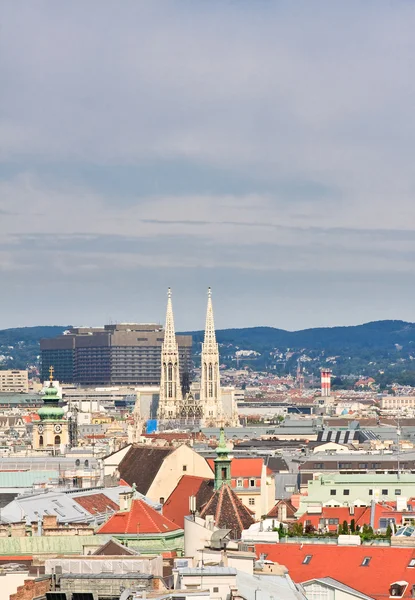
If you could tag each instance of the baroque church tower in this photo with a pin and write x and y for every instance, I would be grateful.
(170, 386)
(210, 393)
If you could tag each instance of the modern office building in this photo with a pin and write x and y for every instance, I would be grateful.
(121, 354)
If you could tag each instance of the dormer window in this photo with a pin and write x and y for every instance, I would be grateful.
(366, 561)
(398, 589)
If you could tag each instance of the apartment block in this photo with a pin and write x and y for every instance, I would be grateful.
(14, 381)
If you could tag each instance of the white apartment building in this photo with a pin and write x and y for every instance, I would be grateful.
(14, 381)
(397, 402)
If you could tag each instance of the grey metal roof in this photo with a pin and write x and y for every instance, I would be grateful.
(268, 586)
(329, 581)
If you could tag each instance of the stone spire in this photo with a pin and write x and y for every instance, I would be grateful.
(210, 380)
(170, 388)
(209, 343)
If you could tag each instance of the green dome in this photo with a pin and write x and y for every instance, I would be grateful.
(50, 410)
(51, 413)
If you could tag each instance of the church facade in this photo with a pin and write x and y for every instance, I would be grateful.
(182, 405)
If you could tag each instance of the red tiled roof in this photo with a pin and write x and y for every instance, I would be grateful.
(96, 503)
(141, 518)
(176, 506)
(387, 565)
(243, 467)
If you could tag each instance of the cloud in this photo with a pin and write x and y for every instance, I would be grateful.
(256, 140)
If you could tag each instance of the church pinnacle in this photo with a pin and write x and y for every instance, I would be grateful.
(170, 343)
(209, 343)
(170, 389)
(210, 393)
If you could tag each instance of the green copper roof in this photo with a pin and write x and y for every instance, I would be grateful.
(222, 450)
(50, 411)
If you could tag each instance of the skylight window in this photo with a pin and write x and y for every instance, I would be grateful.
(307, 559)
(412, 563)
(366, 561)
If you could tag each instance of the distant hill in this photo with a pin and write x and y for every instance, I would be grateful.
(377, 334)
(380, 348)
(19, 347)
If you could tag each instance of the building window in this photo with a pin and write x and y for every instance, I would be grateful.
(41, 440)
(161, 500)
(307, 559)
(333, 521)
(251, 501)
(77, 462)
(383, 523)
(332, 492)
(370, 492)
(252, 482)
(57, 440)
(397, 492)
(216, 590)
(86, 464)
(362, 465)
(346, 492)
(345, 465)
(366, 561)
(239, 483)
(384, 492)
(184, 467)
(318, 465)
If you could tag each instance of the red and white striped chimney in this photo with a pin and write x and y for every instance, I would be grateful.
(325, 382)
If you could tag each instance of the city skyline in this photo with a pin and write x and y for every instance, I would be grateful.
(262, 149)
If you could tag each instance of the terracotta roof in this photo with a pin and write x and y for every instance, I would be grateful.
(141, 464)
(176, 506)
(96, 503)
(243, 467)
(228, 511)
(387, 565)
(141, 518)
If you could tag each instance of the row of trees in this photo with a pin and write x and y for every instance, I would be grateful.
(366, 532)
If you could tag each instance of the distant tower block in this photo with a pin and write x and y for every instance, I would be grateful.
(325, 382)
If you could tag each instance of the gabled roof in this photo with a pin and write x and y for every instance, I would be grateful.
(291, 510)
(141, 464)
(243, 467)
(333, 583)
(176, 506)
(344, 563)
(228, 511)
(114, 548)
(140, 519)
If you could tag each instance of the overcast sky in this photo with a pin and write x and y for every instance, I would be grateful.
(264, 148)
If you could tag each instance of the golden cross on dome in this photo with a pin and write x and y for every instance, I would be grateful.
(51, 370)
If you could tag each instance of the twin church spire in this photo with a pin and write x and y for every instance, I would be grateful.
(171, 397)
